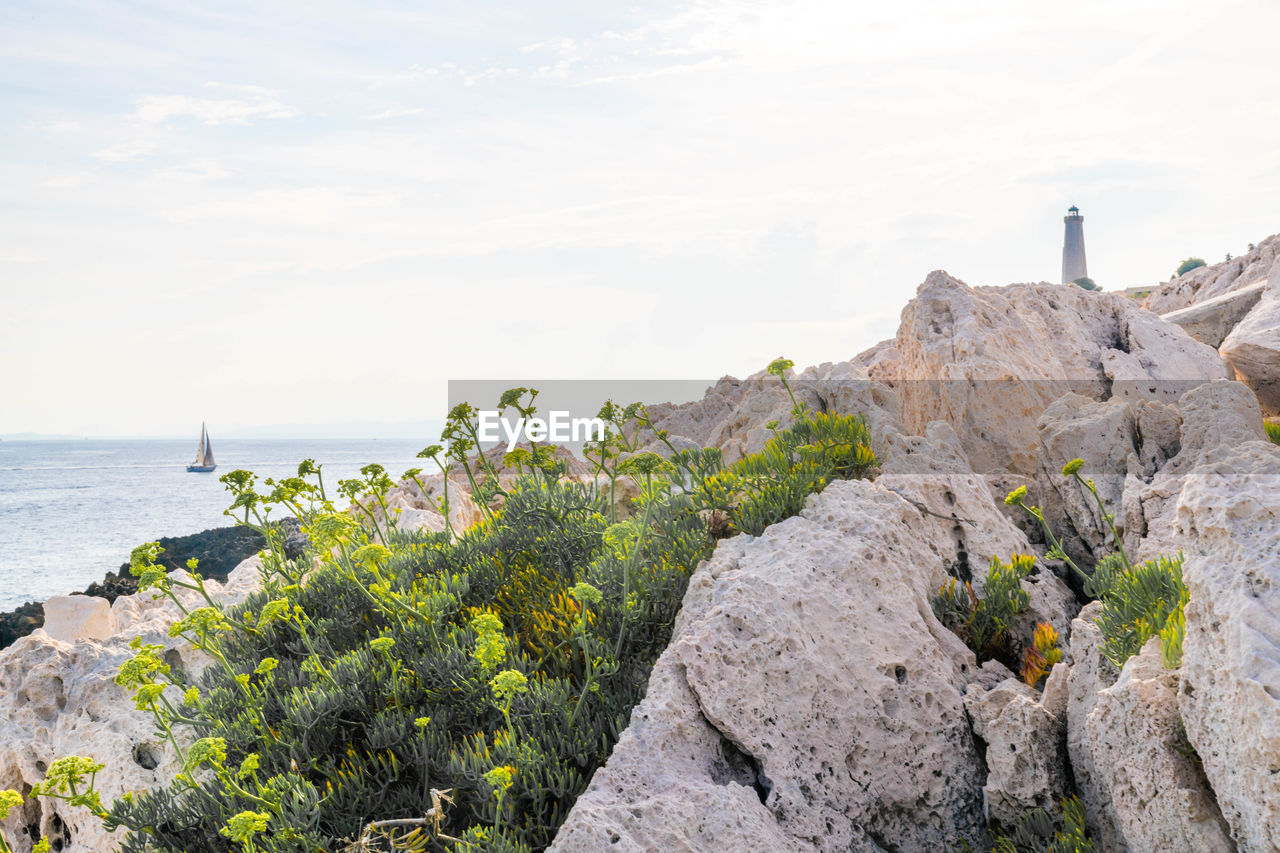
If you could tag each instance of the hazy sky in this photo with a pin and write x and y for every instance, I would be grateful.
(228, 212)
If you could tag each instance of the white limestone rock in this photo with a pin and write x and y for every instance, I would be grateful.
(813, 651)
(1104, 435)
(1213, 319)
(1026, 749)
(1253, 347)
(59, 698)
(1209, 282)
(674, 783)
(990, 360)
(1212, 415)
(1091, 673)
(933, 473)
(1228, 524)
(78, 617)
(1154, 789)
(733, 415)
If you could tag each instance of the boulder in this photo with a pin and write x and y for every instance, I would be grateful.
(1104, 435)
(809, 699)
(58, 697)
(1026, 749)
(675, 782)
(1143, 767)
(78, 617)
(1209, 416)
(1091, 673)
(1210, 282)
(933, 474)
(1228, 524)
(732, 414)
(1253, 347)
(990, 361)
(1213, 319)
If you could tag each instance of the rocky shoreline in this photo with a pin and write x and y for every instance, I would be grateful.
(218, 550)
(811, 698)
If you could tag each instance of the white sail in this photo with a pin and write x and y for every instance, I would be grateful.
(204, 452)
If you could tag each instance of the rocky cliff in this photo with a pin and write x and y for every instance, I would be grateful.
(1234, 306)
(812, 702)
(810, 699)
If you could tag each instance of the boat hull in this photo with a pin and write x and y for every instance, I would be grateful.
(201, 469)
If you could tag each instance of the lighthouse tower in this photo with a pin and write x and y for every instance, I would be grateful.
(1073, 265)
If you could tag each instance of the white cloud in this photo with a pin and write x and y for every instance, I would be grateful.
(135, 148)
(252, 102)
(402, 112)
(736, 178)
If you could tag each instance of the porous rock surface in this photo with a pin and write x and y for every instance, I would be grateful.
(990, 361)
(1253, 347)
(1141, 787)
(855, 738)
(1210, 282)
(810, 659)
(1213, 415)
(1212, 320)
(58, 697)
(1228, 519)
(1026, 748)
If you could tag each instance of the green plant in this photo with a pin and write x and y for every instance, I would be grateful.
(1273, 431)
(766, 487)
(1188, 265)
(1138, 601)
(1087, 283)
(446, 691)
(984, 622)
(1038, 831)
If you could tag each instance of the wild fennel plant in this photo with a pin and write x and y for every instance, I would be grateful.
(1138, 601)
(452, 690)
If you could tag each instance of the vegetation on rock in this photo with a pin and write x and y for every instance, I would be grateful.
(1040, 831)
(1188, 265)
(1138, 601)
(983, 622)
(1039, 657)
(441, 691)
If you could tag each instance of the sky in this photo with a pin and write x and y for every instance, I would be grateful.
(254, 214)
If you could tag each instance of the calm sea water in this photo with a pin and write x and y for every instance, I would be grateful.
(70, 511)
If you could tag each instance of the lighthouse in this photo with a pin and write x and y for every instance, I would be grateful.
(1073, 265)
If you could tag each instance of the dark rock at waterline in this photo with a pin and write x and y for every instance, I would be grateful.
(218, 551)
(20, 622)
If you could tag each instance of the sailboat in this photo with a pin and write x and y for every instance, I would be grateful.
(204, 453)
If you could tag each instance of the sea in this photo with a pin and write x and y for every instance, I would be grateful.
(72, 510)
